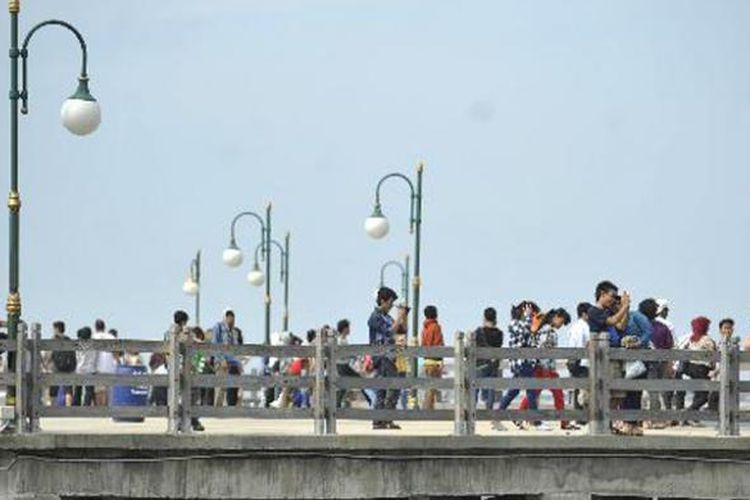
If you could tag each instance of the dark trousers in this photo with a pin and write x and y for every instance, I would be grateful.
(526, 371)
(348, 371)
(658, 370)
(633, 399)
(83, 395)
(698, 372)
(577, 371)
(386, 398)
(233, 392)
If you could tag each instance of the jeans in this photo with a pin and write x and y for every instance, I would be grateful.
(488, 370)
(633, 399)
(386, 398)
(526, 371)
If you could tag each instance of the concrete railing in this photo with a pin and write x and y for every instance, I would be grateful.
(324, 383)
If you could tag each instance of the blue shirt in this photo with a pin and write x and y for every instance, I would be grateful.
(640, 326)
(224, 335)
(381, 332)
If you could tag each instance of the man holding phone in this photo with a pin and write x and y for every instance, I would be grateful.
(383, 330)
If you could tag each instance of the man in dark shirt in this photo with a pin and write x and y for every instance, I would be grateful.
(488, 335)
(382, 332)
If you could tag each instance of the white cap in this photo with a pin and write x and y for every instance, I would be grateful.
(662, 304)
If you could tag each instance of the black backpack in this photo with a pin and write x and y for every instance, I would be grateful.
(64, 361)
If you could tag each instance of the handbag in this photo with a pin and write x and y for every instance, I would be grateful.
(634, 369)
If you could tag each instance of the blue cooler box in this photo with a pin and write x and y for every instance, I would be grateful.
(127, 395)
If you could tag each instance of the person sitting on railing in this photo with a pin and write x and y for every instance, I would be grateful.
(432, 336)
(547, 368)
(489, 335)
(609, 313)
(522, 335)
(382, 333)
(699, 369)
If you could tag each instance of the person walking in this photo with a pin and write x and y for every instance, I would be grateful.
(522, 335)
(432, 336)
(489, 335)
(547, 368)
(345, 366)
(383, 330)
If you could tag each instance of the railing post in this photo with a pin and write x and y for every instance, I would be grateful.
(20, 386)
(185, 386)
(35, 391)
(459, 395)
(471, 383)
(173, 389)
(599, 374)
(331, 389)
(729, 380)
(318, 392)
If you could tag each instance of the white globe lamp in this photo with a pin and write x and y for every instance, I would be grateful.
(80, 113)
(377, 225)
(232, 256)
(256, 276)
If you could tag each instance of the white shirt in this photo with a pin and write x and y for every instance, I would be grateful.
(579, 336)
(105, 361)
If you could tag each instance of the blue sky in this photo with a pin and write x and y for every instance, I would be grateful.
(565, 142)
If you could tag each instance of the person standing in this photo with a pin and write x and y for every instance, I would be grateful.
(105, 362)
(383, 330)
(579, 335)
(432, 336)
(344, 366)
(489, 335)
(605, 316)
(699, 370)
(61, 362)
(86, 365)
(225, 332)
(726, 331)
(661, 338)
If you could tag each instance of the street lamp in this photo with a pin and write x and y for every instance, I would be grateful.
(80, 114)
(377, 227)
(257, 278)
(192, 285)
(232, 257)
(404, 268)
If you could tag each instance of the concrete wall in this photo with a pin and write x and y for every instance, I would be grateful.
(244, 467)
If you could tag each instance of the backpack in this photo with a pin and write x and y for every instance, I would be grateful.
(64, 361)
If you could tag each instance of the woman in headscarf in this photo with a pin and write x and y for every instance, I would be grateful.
(699, 369)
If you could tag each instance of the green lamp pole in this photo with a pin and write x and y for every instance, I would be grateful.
(80, 115)
(377, 227)
(257, 278)
(232, 257)
(404, 268)
(192, 285)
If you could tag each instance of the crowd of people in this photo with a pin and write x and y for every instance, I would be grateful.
(645, 326)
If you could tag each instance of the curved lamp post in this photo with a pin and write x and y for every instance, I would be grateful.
(377, 227)
(257, 278)
(80, 114)
(232, 257)
(192, 285)
(404, 268)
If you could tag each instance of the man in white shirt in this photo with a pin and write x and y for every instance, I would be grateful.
(579, 336)
(105, 362)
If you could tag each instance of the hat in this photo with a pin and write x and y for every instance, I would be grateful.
(661, 305)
